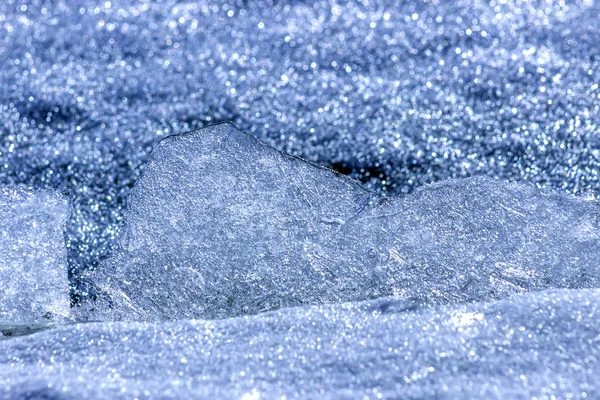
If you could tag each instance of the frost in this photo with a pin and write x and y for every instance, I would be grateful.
(537, 345)
(33, 258)
(222, 225)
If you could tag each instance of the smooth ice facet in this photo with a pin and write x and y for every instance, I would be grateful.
(537, 345)
(33, 258)
(222, 225)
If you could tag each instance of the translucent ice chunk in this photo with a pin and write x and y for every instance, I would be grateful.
(222, 225)
(537, 345)
(33, 260)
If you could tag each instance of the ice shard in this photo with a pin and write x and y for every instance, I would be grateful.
(221, 225)
(33, 260)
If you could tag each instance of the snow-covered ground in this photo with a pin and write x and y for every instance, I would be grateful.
(543, 345)
(394, 93)
(213, 266)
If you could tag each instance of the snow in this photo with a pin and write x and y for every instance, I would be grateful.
(321, 287)
(543, 345)
(395, 95)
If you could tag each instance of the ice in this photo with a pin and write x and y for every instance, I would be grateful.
(222, 225)
(537, 345)
(33, 257)
(395, 94)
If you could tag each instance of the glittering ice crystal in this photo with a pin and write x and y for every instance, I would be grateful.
(33, 260)
(223, 225)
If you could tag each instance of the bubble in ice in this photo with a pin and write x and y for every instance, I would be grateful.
(33, 258)
(221, 225)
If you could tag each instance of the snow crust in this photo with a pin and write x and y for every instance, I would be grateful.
(541, 345)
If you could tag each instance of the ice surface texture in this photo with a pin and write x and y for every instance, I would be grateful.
(535, 345)
(34, 284)
(221, 225)
(397, 94)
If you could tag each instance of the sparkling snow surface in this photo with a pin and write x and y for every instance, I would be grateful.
(395, 93)
(34, 285)
(217, 267)
(542, 345)
(222, 225)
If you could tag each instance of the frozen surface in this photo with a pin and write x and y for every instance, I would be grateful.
(537, 345)
(398, 94)
(222, 225)
(33, 259)
(395, 93)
